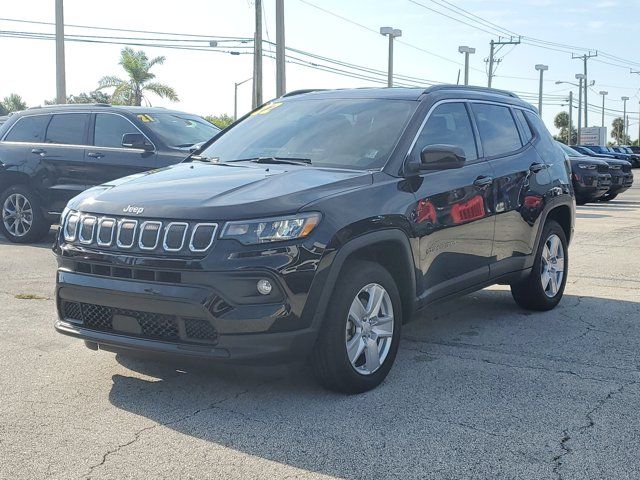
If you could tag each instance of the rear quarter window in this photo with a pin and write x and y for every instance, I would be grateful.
(28, 129)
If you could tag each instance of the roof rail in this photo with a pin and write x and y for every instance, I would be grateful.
(300, 92)
(436, 88)
(71, 105)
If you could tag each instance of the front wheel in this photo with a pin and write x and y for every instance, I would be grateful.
(607, 196)
(544, 286)
(361, 331)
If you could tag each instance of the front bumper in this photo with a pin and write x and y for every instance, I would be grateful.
(176, 319)
(591, 186)
(621, 182)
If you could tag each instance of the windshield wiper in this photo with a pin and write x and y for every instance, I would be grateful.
(284, 160)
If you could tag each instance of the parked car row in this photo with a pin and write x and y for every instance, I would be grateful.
(597, 176)
(50, 154)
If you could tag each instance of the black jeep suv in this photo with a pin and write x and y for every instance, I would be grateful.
(590, 175)
(316, 225)
(50, 154)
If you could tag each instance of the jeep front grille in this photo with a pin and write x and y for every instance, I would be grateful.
(138, 235)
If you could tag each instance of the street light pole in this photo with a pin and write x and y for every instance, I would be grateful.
(541, 68)
(235, 97)
(570, 117)
(257, 58)
(624, 117)
(580, 77)
(61, 88)
(604, 94)
(281, 83)
(466, 50)
(391, 33)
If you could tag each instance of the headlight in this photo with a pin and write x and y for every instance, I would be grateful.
(587, 166)
(272, 229)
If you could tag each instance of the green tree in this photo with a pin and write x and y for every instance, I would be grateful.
(12, 103)
(84, 97)
(132, 91)
(221, 121)
(561, 122)
(617, 132)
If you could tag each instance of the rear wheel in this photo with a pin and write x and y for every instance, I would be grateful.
(22, 219)
(544, 286)
(361, 331)
(581, 201)
(608, 196)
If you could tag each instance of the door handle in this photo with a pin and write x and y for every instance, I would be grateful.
(39, 151)
(483, 181)
(537, 167)
(95, 154)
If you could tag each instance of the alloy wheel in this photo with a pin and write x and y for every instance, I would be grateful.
(552, 266)
(369, 329)
(17, 215)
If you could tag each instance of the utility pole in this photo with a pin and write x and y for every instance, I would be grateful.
(466, 51)
(581, 78)
(61, 88)
(281, 82)
(541, 68)
(257, 58)
(604, 94)
(584, 58)
(625, 126)
(492, 53)
(391, 33)
(570, 117)
(637, 72)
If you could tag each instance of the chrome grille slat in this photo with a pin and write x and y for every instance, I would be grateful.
(143, 227)
(167, 230)
(101, 223)
(214, 226)
(133, 234)
(83, 222)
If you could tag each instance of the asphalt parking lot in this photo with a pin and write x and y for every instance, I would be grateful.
(480, 389)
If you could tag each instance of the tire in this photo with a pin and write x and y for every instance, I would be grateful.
(31, 225)
(581, 201)
(331, 362)
(533, 293)
(608, 196)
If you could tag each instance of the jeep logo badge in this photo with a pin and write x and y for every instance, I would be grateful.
(133, 209)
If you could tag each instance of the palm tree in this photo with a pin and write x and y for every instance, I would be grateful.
(12, 103)
(131, 91)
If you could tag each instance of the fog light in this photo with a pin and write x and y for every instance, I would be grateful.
(264, 287)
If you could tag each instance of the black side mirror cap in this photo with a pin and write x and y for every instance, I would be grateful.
(439, 157)
(136, 140)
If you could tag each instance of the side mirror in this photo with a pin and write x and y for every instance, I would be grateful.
(441, 157)
(136, 140)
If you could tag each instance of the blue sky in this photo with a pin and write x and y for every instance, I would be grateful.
(204, 80)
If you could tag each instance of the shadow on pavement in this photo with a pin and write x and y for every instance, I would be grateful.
(47, 242)
(448, 398)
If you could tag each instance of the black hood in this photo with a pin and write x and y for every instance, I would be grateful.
(200, 191)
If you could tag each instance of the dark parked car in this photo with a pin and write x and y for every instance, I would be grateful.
(50, 154)
(590, 175)
(316, 226)
(620, 170)
(633, 158)
(635, 149)
(590, 153)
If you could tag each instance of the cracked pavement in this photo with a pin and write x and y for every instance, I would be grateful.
(480, 389)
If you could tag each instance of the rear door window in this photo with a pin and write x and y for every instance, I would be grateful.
(525, 128)
(67, 129)
(448, 124)
(28, 129)
(498, 131)
(110, 129)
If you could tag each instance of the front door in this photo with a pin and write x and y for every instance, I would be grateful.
(106, 158)
(453, 217)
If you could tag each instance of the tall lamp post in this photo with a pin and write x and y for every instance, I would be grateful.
(235, 97)
(466, 50)
(581, 77)
(604, 94)
(391, 33)
(541, 68)
(624, 115)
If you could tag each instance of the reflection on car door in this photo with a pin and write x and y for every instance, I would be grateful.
(453, 216)
(106, 158)
(522, 179)
(62, 157)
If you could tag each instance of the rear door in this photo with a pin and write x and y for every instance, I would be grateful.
(521, 180)
(106, 158)
(62, 155)
(453, 216)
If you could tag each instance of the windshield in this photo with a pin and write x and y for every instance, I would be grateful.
(569, 151)
(179, 129)
(344, 133)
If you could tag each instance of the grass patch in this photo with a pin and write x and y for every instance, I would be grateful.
(30, 296)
